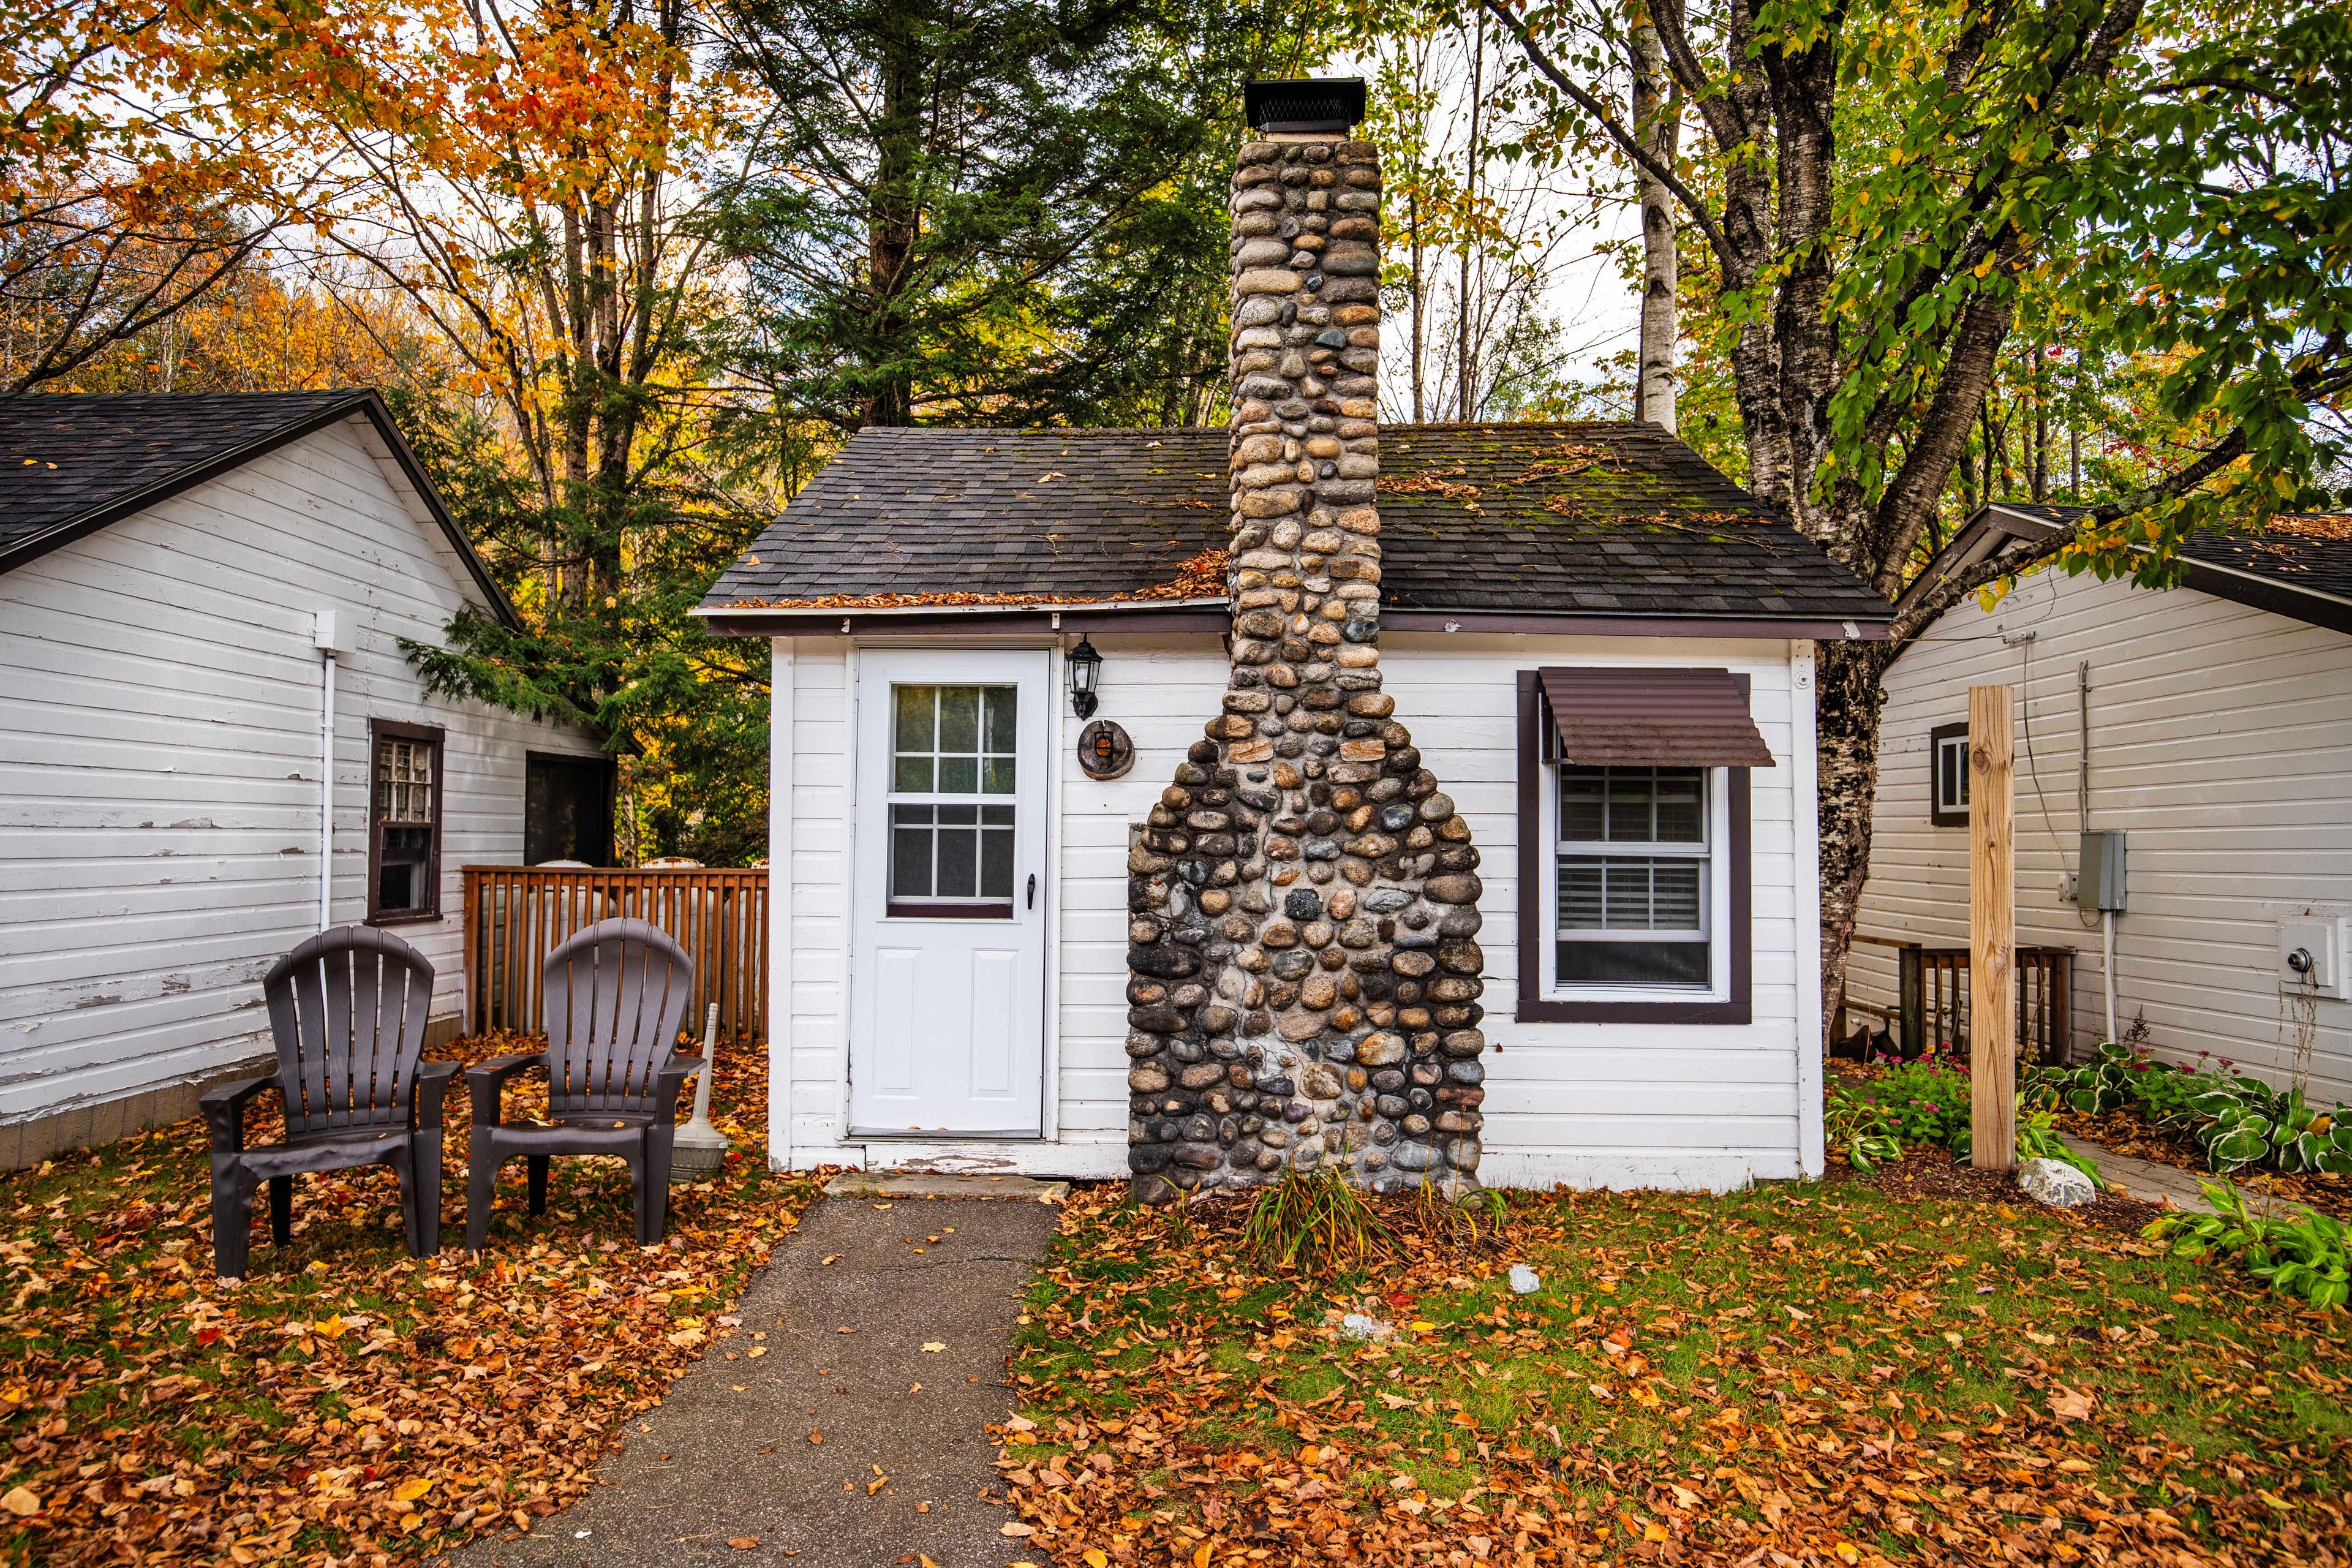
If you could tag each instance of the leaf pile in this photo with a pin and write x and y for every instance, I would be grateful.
(1816, 1376)
(347, 1400)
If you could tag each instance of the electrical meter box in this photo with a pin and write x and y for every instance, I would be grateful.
(2099, 882)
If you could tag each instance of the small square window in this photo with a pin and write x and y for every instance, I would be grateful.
(1948, 748)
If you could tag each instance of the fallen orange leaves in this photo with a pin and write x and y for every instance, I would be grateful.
(346, 1400)
(1182, 1406)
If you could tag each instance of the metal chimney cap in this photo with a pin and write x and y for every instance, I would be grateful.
(1332, 104)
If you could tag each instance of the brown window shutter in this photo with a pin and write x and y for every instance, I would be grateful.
(1661, 717)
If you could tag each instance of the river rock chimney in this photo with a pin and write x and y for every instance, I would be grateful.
(1303, 964)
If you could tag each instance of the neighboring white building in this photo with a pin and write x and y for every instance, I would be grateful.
(2211, 724)
(929, 560)
(173, 574)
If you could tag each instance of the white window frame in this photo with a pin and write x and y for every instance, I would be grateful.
(982, 905)
(1716, 906)
(1941, 807)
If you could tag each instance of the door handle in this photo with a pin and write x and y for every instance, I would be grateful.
(1032, 890)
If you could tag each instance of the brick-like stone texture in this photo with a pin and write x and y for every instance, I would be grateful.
(1304, 968)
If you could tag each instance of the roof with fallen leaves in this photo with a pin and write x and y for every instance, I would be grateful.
(1553, 518)
(72, 463)
(2301, 562)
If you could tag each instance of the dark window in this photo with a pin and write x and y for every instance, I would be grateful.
(404, 823)
(1948, 748)
(567, 810)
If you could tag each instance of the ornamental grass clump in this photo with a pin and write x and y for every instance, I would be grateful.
(1315, 1222)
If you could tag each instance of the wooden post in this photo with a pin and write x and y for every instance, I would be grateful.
(1910, 999)
(1992, 933)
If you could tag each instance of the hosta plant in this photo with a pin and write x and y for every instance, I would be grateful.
(2300, 1254)
(2245, 1122)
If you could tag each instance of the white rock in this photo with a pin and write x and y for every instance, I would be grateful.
(1525, 1281)
(2056, 1183)
(1358, 1326)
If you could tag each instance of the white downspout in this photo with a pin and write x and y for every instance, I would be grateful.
(326, 638)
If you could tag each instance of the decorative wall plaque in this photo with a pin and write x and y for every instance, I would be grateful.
(1103, 750)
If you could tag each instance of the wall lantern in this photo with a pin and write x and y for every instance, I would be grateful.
(1085, 671)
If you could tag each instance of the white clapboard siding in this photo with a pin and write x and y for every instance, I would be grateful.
(1689, 1106)
(159, 764)
(2220, 742)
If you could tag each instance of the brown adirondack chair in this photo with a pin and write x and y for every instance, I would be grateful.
(347, 1010)
(615, 993)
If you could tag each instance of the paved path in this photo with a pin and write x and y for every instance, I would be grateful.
(2153, 1183)
(728, 1455)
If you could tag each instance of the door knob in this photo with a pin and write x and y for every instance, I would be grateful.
(1032, 890)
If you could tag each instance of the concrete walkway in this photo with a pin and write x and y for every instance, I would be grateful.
(2158, 1183)
(887, 1319)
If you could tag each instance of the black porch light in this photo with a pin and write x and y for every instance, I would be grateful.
(1085, 671)
(1327, 106)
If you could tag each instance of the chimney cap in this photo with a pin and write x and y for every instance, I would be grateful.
(1329, 104)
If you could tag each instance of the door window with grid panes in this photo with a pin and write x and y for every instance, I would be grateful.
(952, 783)
(1634, 864)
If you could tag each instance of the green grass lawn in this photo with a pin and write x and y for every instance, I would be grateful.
(1827, 1373)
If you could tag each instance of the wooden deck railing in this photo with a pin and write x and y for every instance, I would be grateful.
(1932, 999)
(516, 915)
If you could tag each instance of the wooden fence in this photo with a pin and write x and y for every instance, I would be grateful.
(516, 915)
(1932, 999)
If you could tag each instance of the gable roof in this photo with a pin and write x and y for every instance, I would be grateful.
(1611, 524)
(2300, 566)
(71, 463)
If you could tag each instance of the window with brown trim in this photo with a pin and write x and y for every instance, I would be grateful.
(1635, 902)
(403, 822)
(1947, 775)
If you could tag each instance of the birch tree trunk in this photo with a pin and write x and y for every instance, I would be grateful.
(1657, 126)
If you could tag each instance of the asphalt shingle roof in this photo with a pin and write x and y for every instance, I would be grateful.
(1582, 518)
(65, 457)
(2295, 556)
(71, 463)
(2309, 552)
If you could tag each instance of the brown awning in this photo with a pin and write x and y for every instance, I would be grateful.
(1663, 718)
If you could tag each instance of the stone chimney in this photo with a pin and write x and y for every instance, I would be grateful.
(1303, 964)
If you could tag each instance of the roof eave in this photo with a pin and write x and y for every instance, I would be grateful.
(1997, 522)
(727, 620)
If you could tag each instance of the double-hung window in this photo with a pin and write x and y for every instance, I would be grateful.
(1634, 845)
(404, 823)
(1635, 879)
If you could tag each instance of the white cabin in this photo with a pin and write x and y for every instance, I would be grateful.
(2211, 724)
(912, 1035)
(170, 568)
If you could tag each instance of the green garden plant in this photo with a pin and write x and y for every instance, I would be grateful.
(2302, 1253)
(2240, 1122)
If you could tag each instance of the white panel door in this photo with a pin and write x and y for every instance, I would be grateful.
(948, 970)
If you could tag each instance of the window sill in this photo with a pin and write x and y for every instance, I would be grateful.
(404, 918)
(1561, 1010)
